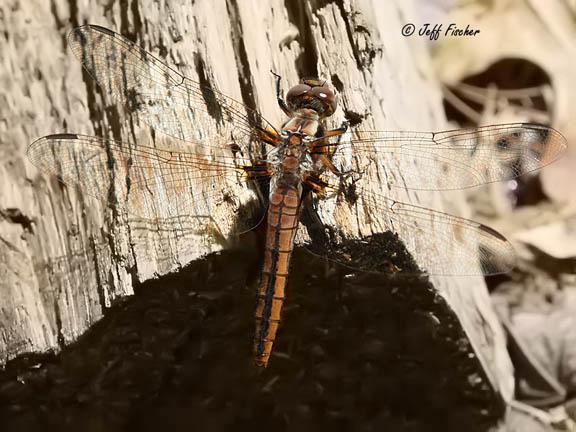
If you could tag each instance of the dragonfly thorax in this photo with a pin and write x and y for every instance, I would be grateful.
(291, 158)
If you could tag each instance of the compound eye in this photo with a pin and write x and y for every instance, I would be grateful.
(327, 97)
(298, 90)
(324, 93)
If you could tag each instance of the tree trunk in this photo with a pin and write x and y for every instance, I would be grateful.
(65, 257)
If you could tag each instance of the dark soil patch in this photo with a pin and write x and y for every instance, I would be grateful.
(354, 353)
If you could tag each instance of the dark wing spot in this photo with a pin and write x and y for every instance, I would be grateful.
(63, 136)
(493, 232)
(101, 29)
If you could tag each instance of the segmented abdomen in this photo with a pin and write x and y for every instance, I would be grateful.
(283, 215)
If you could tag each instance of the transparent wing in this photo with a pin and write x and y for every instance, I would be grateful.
(157, 183)
(160, 96)
(441, 243)
(166, 244)
(169, 243)
(454, 159)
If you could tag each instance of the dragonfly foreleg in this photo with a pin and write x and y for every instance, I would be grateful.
(281, 102)
(338, 131)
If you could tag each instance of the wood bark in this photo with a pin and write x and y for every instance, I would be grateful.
(64, 257)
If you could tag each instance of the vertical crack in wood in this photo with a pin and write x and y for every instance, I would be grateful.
(59, 24)
(350, 34)
(73, 8)
(241, 57)
(99, 285)
(125, 30)
(212, 104)
(364, 57)
(58, 321)
(298, 14)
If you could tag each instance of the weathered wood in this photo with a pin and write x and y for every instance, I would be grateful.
(49, 301)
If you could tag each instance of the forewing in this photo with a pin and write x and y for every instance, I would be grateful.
(453, 159)
(442, 244)
(154, 183)
(160, 96)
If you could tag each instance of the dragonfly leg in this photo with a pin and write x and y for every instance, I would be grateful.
(319, 149)
(332, 168)
(268, 136)
(328, 164)
(281, 101)
(315, 184)
(257, 170)
(338, 131)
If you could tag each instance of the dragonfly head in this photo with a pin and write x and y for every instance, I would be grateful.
(314, 94)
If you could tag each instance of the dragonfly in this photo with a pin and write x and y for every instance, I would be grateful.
(223, 156)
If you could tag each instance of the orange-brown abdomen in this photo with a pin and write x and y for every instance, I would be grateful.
(283, 215)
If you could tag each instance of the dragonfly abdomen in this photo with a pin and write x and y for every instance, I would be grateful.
(283, 214)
